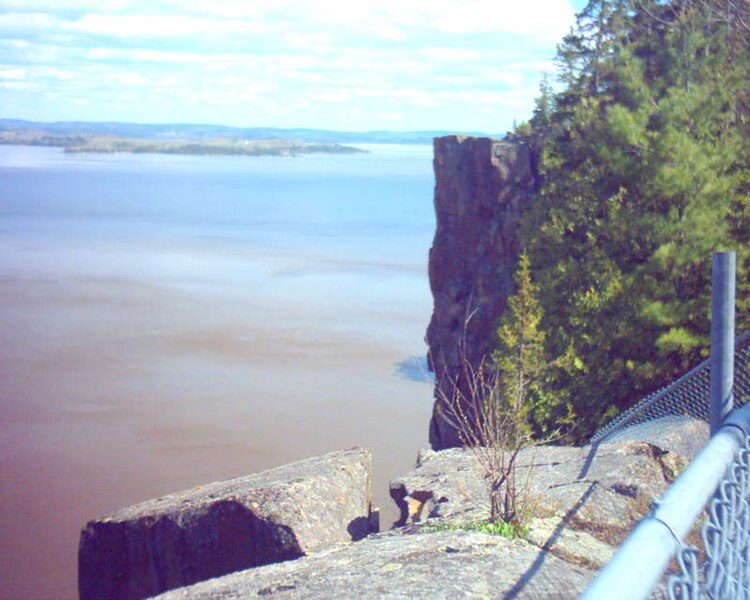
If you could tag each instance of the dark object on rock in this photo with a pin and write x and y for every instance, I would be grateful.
(435, 565)
(582, 501)
(226, 526)
(482, 186)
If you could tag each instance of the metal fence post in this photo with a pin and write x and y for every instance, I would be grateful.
(722, 336)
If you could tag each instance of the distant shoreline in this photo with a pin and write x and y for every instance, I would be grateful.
(182, 132)
(110, 144)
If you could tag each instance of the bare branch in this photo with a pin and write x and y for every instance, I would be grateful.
(495, 433)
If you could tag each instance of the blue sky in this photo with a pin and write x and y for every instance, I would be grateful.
(465, 65)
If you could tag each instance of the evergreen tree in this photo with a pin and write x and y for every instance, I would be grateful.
(520, 358)
(644, 168)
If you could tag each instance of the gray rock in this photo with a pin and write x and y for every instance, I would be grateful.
(222, 527)
(443, 484)
(680, 434)
(437, 565)
(579, 547)
(601, 491)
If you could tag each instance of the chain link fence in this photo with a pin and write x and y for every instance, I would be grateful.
(717, 563)
(685, 399)
(721, 570)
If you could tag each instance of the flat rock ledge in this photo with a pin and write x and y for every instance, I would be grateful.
(584, 501)
(215, 529)
(437, 565)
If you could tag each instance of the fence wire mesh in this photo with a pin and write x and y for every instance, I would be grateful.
(725, 572)
(718, 566)
(685, 399)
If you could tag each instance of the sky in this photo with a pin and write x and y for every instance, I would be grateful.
(355, 65)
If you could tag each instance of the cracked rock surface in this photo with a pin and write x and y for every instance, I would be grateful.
(436, 565)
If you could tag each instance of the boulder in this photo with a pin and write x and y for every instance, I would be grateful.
(222, 527)
(584, 500)
(436, 565)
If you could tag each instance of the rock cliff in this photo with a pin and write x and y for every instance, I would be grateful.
(584, 502)
(481, 188)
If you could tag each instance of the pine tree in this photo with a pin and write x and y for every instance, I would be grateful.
(644, 170)
(520, 358)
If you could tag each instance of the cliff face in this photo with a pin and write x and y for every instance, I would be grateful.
(482, 187)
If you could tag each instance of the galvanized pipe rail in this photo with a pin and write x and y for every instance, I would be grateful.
(636, 568)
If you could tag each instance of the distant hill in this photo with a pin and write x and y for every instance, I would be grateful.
(185, 132)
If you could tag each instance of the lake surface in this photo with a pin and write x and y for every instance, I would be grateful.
(167, 321)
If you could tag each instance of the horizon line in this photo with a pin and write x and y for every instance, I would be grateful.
(250, 127)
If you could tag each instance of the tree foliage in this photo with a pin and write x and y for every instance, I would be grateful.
(520, 361)
(644, 163)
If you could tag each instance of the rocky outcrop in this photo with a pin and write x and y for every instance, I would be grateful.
(435, 565)
(481, 188)
(584, 501)
(681, 434)
(219, 528)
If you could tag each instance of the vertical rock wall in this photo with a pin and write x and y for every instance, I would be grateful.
(481, 188)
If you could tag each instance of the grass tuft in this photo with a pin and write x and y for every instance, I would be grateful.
(501, 528)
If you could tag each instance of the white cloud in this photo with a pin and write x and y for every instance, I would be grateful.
(157, 26)
(504, 77)
(51, 73)
(545, 19)
(254, 90)
(17, 85)
(126, 78)
(225, 9)
(21, 23)
(67, 5)
(11, 73)
(293, 62)
(389, 117)
(452, 54)
(388, 32)
(153, 56)
(314, 42)
(329, 96)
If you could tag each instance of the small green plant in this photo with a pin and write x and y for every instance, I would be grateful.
(501, 528)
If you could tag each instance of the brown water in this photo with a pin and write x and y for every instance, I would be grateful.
(137, 364)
